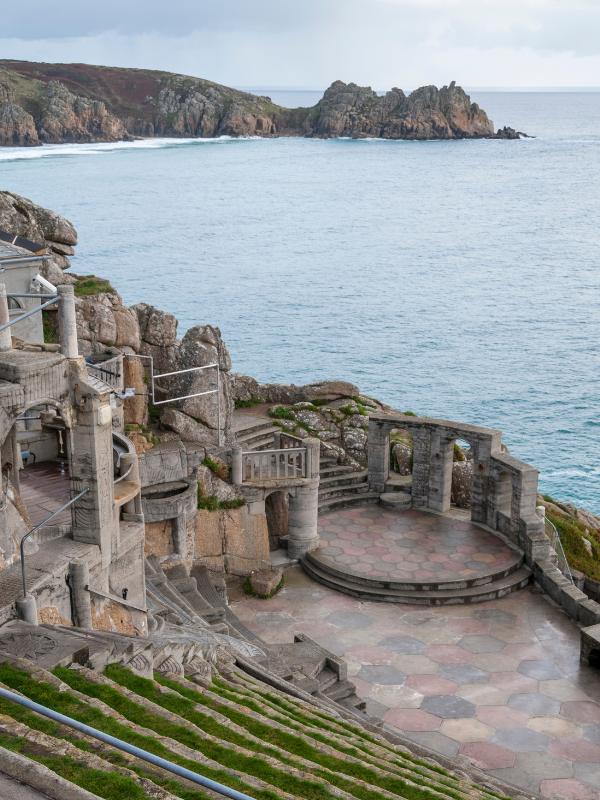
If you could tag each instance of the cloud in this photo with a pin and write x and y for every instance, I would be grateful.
(309, 43)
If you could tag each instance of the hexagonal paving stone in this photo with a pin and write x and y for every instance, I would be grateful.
(434, 741)
(554, 726)
(488, 755)
(588, 773)
(448, 706)
(534, 704)
(349, 619)
(466, 730)
(383, 674)
(463, 673)
(576, 750)
(592, 733)
(583, 711)
(567, 789)
(540, 670)
(521, 740)
(412, 719)
(403, 645)
(495, 615)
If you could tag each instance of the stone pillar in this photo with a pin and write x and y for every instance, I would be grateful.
(27, 609)
(378, 455)
(313, 457)
(5, 335)
(440, 471)
(236, 466)
(420, 470)
(67, 322)
(79, 580)
(94, 518)
(303, 512)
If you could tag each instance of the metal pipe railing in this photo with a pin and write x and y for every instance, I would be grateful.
(29, 313)
(552, 533)
(36, 528)
(156, 761)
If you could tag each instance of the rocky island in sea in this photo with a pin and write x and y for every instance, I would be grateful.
(62, 103)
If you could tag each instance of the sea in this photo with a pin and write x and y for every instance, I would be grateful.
(456, 279)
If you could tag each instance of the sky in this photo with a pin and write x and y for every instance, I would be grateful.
(307, 44)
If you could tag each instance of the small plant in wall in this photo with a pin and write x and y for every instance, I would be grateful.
(217, 467)
(260, 584)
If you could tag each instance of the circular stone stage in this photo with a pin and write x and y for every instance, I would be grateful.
(413, 557)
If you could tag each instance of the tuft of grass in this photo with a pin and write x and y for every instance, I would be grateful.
(572, 533)
(217, 467)
(251, 402)
(50, 326)
(247, 587)
(210, 502)
(88, 285)
(282, 412)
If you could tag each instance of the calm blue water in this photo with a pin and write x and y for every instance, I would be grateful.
(458, 279)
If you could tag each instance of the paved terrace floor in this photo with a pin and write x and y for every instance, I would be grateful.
(409, 546)
(44, 488)
(499, 683)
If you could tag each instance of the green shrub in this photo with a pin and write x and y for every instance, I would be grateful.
(50, 326)
(88, 285)
(281, 412)
(249, 403)
(217, 467)
(572, 533)
(210, 502)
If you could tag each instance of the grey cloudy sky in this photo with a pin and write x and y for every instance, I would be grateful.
(310, 43)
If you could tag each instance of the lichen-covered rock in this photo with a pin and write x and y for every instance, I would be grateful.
(212, 485)
(462, 479)
(187, 428)
(67, 117)
(17, 127)
(354, 442)
(200, 347)
(402, 458)
(244, 387)
(21, 216)
(156, 327)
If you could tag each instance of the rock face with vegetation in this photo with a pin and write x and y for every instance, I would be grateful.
(42, 103)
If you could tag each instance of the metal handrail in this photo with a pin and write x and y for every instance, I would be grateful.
(556, 542)
(36, 528)
(124, 475)
(156, 761)
(29, 313)
(115, 598)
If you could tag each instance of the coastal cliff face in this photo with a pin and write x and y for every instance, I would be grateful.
(52, 103)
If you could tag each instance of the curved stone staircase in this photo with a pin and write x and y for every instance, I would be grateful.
(476, 590)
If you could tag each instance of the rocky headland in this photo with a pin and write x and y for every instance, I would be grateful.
(62, 103)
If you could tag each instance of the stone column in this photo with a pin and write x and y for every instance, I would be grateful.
(313, 457)
(420, 470)
(303, 512)
(440, 471)
(94, 518)
(236, 466)
(79, 580)
(378, 454)
(67, 322)
(27, 609)
(5, 335)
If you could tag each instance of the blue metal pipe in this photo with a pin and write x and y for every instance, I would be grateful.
(157, 761)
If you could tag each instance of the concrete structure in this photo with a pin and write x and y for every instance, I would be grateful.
(20, 262)
(74, 428)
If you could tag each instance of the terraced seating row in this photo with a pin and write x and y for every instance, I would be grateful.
(231, 728)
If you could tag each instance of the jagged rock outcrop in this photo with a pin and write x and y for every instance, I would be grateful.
(427, 113)
(80, 103)
(21, 216)
(66, 117)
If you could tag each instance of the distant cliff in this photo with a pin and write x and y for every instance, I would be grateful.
(56, 103)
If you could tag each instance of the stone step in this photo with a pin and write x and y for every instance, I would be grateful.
(399, 483)
(245, 428)
(343, 490)
(344, 479)
(367, 591)
(413, 586)
(334, 469)
(342, 690)
(258, 440)
(334, 503)
(398, 500)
